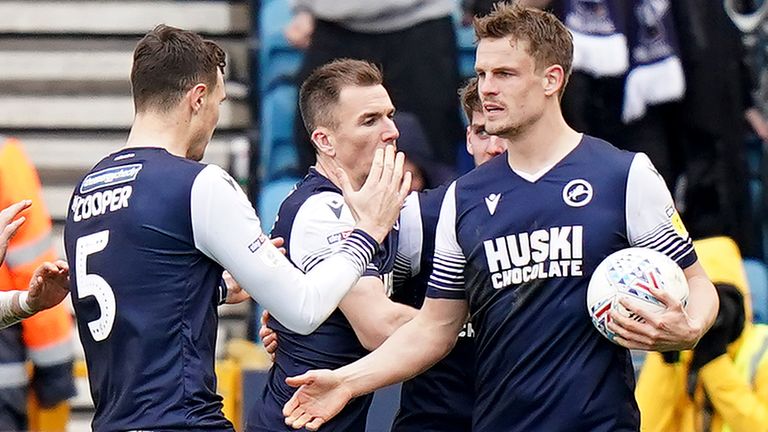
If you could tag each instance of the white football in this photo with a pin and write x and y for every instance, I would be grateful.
(631, 273)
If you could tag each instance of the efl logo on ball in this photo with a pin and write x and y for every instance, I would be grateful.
(632, 273)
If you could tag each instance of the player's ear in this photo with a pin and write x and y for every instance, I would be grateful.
(323, 142)
(469, 145)
(196, 97)
(553, 80)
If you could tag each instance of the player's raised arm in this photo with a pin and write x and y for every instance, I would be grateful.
(412, 349)
(227, 230)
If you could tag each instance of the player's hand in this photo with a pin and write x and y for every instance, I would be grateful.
(8, 225)
(278, 242)
(299, 31)
(268, 336)
(235, 293)
(49, 285)
(377, 204)
(321, 395)
(668, 330)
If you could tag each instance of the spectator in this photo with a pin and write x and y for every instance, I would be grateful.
(414, 44)
(715, 201)
(720, 386)
(46, 338)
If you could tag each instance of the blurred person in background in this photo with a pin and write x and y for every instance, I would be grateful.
(412, 41)
(722, 384)
(46, 338)
(751, 17)
(715, 199)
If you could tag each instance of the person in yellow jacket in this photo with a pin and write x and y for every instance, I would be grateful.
(722, 385)
(45, 338)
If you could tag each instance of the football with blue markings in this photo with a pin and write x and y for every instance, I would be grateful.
(632, 273)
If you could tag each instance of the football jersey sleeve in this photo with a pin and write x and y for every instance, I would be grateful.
(226, 229)
(652, 220)
(447, 278)
(321, 224)
(411, 240)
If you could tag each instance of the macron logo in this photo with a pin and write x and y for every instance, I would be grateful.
(335, 207)
(491, 201)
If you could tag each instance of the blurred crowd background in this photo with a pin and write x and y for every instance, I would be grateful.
(685, 81)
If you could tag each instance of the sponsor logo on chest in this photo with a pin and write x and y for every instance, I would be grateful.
(541, 254)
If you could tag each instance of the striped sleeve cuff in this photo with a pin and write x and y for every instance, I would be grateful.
(666, 240)
(359, 248)
(447, 278)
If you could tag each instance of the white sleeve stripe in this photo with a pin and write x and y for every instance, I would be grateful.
(316, 253)
(312, 259)
(447, 278)
(444, 288)
(452, 259)
(663, 237)
(449, 254)
(317, 260)
(660, 243)
(449, 265)
(662, 228)
(447, 269)
(450, 279)
(439, 257)
(359, 249)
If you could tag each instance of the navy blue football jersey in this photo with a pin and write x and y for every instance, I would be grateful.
(314, 221)
(441, 398)
(145, 298)
(520, 250)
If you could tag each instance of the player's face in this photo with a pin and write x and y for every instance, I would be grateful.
(363, 124)
(207, 118)
(511, 90)
(480, 144)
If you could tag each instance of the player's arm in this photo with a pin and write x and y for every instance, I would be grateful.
(47, 288)
(372, 315)
(226, 229)
(412, 349)
(13, 308)
(653, 222)
(317, 228)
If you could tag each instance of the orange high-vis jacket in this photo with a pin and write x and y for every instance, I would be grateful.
(45, 338)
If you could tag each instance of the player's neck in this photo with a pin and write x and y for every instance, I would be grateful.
(542, 144)
(324, 167)
(151, 130)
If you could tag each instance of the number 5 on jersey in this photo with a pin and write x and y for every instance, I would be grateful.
(95, 285)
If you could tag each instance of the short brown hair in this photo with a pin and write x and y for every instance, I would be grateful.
(549, 42)
(470, 99)
(167, 62)
(320, 91)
